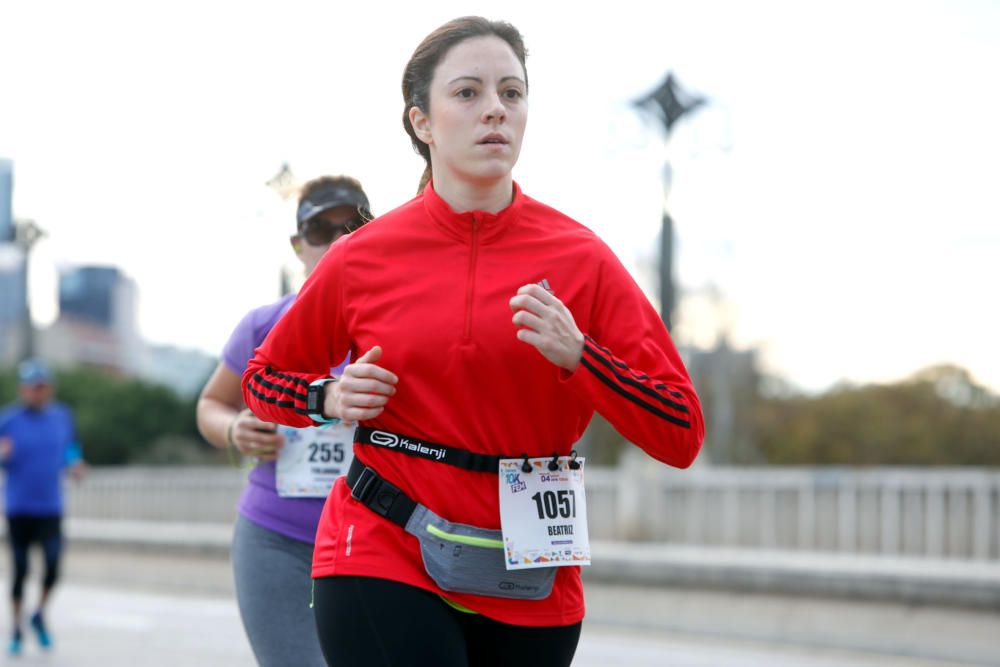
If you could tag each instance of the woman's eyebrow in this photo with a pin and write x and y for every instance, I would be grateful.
(479, 80)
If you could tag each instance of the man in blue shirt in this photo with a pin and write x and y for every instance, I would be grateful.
(37, 442)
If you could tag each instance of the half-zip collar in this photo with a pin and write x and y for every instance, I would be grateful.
(488, 226)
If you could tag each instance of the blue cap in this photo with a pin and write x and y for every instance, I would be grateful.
(33, 371)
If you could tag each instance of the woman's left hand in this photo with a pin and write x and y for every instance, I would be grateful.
(545, 322)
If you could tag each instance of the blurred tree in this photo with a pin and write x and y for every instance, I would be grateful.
(938, 416)
(121, 420)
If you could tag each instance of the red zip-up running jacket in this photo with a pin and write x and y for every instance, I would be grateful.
(432, 287)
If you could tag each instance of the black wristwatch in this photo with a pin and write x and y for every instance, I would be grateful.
(315, 397)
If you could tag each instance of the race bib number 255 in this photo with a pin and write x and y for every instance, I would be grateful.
(312, 459)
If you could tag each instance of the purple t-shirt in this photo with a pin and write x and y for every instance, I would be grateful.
(296, 518)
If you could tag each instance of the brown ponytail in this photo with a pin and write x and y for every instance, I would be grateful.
(425, 178)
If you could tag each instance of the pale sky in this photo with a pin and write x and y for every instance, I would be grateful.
(839, 193)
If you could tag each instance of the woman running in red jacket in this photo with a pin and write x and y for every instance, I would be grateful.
(487, 329)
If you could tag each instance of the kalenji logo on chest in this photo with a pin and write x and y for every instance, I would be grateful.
(392, 441)
(385, 439)
(544, 284)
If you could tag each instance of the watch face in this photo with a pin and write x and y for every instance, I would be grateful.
(313, 398)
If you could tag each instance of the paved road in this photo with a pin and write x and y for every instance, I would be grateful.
(120, 608)
(101, 627)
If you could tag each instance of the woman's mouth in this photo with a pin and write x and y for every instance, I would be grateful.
(494, 139)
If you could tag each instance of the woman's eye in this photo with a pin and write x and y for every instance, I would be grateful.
(466, 92)
(512, 93)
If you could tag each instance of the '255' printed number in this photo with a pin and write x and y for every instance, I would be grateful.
(326, 452)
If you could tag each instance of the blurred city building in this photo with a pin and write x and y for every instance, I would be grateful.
(97, 327)
(6, 197)
(98, 294)
(11, 302)
(728, 383)
(12, 287)
(96, 324)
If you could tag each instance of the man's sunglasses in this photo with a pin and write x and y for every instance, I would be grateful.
(321, 232)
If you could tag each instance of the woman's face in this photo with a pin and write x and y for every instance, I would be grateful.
(478, 112)
(330, 225)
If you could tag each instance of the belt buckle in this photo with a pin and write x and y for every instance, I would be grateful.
(364, 485)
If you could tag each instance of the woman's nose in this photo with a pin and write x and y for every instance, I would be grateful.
(494, 109)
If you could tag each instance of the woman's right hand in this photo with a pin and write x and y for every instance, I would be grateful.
(362, 391)
(253, 437)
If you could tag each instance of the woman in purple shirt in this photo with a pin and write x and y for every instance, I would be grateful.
(281, 504)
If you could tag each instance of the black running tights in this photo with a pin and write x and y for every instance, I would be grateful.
(22, 531)
(366, 622)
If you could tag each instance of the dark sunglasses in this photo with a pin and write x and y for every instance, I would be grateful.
(321, 232)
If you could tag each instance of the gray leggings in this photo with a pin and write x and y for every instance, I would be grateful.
(273, 590)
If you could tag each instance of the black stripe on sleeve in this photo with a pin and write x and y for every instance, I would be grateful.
(635, 399)
(663, 387)
(274, 401)
(632, 383)
(288, 391)
(287, 377)
(639, 376)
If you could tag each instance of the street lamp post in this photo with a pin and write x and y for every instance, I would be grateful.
(668, 103)
(26, 234)
(285, 185)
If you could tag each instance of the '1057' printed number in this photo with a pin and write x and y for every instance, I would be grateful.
(555, 504)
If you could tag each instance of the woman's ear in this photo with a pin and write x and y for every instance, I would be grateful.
(421, 125)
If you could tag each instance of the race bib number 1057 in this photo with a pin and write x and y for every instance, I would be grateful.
(543, 514)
